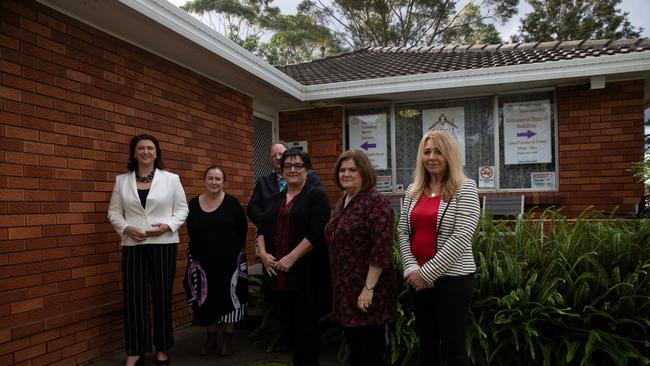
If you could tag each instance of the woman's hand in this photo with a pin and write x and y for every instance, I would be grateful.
(269, 263)
(158, 229)
(415, 280)
(365, 299)
(285, 263)
(135, 233)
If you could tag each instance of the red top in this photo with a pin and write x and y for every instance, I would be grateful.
(424, 219)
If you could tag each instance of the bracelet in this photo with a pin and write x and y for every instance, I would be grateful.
(369, 288)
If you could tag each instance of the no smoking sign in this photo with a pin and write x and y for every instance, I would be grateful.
(486, 177)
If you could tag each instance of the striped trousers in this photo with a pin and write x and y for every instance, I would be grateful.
(148, 267)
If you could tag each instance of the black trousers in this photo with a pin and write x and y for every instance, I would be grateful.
(148, 267)
(367, 345)
(300, 316)
(441, 315)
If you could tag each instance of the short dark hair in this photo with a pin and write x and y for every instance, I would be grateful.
(296, 152)
(132, 164)
(205, 174)
(362, 163)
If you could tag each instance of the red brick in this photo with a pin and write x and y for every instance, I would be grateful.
(27, 330)
(26, 305)
(14, 345)
(11, 221)
(25, 232)
(47, 359)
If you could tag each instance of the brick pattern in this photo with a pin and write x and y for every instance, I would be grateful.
(600, 137)
(316, 125)
(71, 97)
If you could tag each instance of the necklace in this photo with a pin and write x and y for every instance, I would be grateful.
(145, 179)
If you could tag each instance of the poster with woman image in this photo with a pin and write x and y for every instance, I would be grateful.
(451, 120)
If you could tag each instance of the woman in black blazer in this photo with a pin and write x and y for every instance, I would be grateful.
(294, 256)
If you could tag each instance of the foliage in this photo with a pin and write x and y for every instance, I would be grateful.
(568, 292)
(236, 19)
(580, 297)
(364, 23)
(296, 38)
(563, 20)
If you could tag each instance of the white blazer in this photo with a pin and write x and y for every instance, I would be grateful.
(166, 204)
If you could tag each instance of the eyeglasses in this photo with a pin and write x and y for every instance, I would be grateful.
(297, 166)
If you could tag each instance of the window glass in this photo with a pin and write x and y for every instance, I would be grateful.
(368, 130)
(473, 119)
(527, 141)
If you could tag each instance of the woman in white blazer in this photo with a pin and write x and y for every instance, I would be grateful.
(439, 216)
(147, 208)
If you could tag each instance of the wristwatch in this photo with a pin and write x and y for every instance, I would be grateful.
(369, 288)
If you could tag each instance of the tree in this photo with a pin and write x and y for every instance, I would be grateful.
(363, 23)
(296, 38)
(472, 30)
(563, 20)
(235, 19)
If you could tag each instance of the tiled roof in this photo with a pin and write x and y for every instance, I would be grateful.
(380, 62)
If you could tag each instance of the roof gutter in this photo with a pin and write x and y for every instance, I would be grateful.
(169, 16)
(566, 69)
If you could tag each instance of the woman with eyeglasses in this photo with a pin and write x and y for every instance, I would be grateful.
(294, 257)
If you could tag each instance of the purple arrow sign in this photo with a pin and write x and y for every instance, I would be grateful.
(528, 134)
(367, 146)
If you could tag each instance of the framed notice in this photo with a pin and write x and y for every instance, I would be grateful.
(384, 183)
(542, 180)
(368, 134)
(527, 132)
(451, 120)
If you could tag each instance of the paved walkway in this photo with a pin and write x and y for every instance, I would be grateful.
(249, 351)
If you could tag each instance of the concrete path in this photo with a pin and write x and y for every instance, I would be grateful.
(249, 351)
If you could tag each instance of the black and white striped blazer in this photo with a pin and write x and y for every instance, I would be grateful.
(456, 229)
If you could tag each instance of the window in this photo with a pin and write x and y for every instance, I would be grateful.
(521, 156)
(475, 117)
(527, 165)
(368, 130)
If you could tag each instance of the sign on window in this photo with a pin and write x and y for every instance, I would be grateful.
(368, 134)
(527, 132)
(451, 120)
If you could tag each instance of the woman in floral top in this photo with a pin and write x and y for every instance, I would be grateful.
(359, 237)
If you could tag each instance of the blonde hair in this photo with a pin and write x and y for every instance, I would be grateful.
(450, 150)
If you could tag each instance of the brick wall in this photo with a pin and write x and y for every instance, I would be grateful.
(70, 99)
(600, 137)
(316, 125)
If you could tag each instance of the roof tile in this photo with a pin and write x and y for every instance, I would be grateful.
(380, 62)
(547, 45)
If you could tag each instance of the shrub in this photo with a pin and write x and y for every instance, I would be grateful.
(579, 297)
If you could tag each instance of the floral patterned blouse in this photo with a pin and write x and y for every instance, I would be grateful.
(358, 236)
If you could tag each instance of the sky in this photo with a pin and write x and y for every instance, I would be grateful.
(637, 9)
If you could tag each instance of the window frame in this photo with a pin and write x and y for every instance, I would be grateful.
(496, 97)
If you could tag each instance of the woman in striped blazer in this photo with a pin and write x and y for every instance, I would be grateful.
(439, 216)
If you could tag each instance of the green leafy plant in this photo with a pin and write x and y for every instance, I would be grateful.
(557, 291)
(562, 292)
